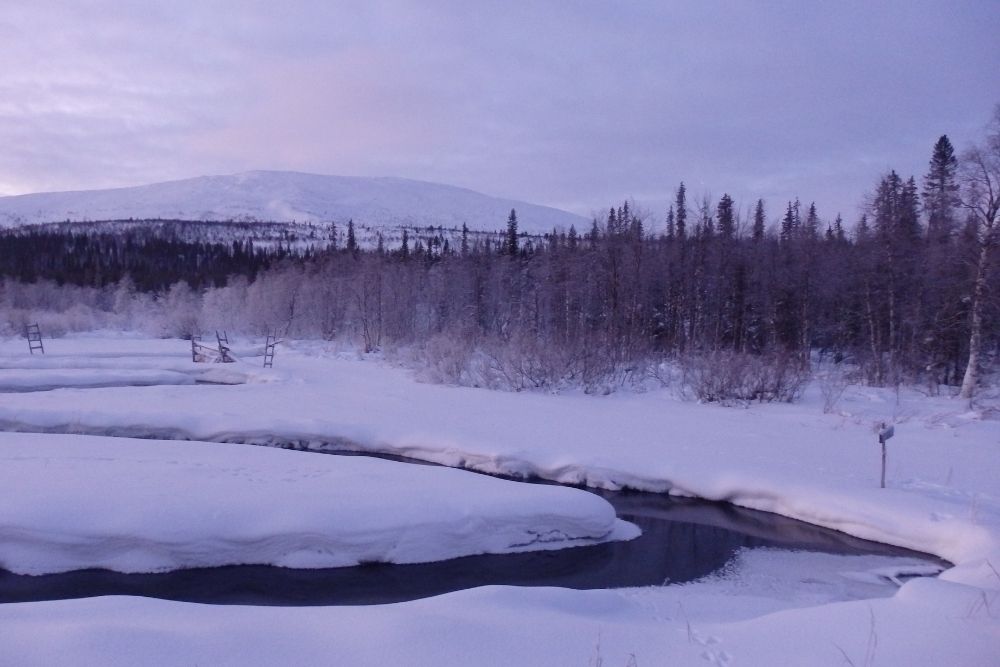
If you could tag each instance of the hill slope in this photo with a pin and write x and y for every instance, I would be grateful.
(286, 196)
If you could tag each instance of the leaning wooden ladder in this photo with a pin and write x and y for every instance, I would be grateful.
(223, 340)
(272, 340)
(34, 336)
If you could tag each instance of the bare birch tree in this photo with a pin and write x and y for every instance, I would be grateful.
(980, 178)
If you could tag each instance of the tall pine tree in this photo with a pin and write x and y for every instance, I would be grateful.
(512, 233)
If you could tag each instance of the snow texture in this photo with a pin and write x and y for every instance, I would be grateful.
(287, 196)
(942, 498)
(928, 622)
(77, 502)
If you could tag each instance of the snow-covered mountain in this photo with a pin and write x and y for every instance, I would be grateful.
(287, 196)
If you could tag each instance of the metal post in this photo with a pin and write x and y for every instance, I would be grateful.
(883, 464)
(885, 431)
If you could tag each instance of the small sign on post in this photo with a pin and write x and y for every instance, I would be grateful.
(885, 431)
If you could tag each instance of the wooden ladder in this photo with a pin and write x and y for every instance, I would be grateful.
(34, 336)
(223, 340)
(272, 340)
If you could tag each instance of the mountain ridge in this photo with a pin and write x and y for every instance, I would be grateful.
(284, 196)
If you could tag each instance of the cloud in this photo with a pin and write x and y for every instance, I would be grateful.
(576, 105)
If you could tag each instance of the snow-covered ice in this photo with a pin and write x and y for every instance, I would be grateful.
(942, 498)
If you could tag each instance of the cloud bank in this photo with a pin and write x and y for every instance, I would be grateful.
(576, 105)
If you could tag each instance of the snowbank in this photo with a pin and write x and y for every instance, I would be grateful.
(927, 623)
(44, 379)
(76, 502)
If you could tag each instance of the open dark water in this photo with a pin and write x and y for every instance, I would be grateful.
(682, 540)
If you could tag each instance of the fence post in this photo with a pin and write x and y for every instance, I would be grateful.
(884, 433)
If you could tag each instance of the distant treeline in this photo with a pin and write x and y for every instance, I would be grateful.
(156, 253)
(909, 293)
(152, 262)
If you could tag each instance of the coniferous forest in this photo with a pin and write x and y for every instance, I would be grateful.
(906, 293)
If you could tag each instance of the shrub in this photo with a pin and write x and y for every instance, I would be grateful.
(734, 378)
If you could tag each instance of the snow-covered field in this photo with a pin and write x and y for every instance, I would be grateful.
(943, 497)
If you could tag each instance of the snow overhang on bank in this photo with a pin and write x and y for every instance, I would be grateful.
(75, 502)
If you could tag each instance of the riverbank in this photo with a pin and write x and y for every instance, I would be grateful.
(942, 498)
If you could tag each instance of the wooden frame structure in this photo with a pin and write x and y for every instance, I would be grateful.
(201, 353)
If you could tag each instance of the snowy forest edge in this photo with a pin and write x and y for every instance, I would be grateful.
(720, 302)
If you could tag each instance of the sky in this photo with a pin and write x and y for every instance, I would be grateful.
(578, 105)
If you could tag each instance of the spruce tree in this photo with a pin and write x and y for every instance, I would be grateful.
(512, 233)
(863, 231)
(943, 271)
(724, 213)
(940, 191)
(909, 213)
(352, 242)
(758, 221)
(635, 228)
(680, 203)
(788, 224)
(594, 235)
(812, 222)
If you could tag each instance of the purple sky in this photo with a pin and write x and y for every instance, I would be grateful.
(573, 104)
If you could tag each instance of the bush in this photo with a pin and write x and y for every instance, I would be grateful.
(832, 385)
(733, 378)
(522, 363)
(444, 359)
